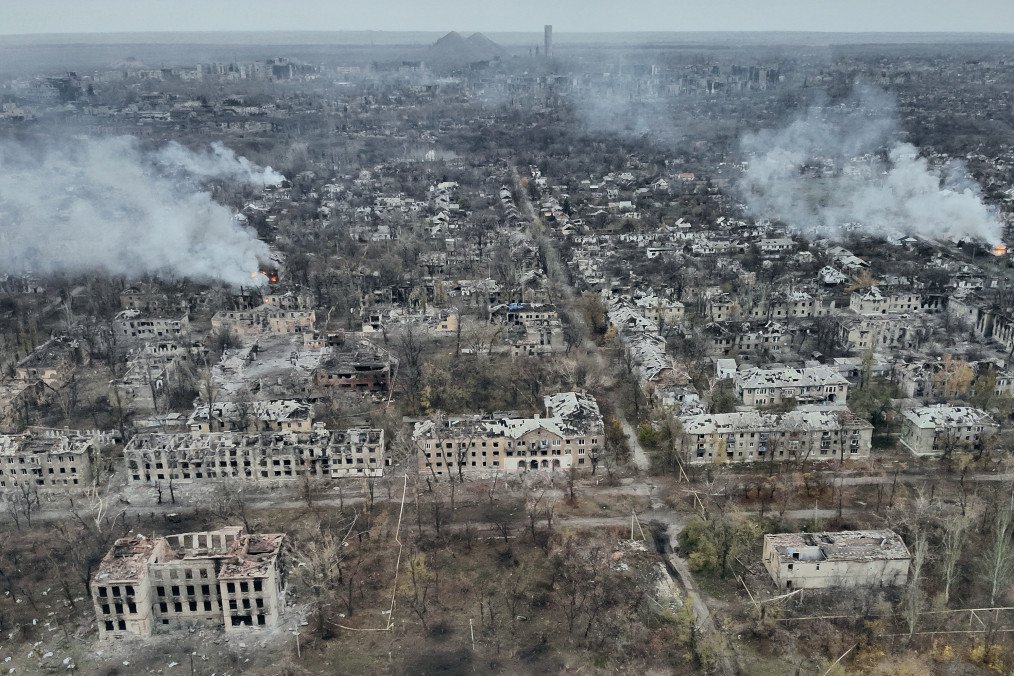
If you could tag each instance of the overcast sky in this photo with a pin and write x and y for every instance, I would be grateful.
(88, 16)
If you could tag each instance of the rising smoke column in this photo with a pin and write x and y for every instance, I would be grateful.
(220, 162)
(874, 182)
(88, 204)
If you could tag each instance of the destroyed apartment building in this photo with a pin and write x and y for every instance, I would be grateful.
(130, 325)
(941, 430)
(152, 372)
(221, 578)
(773, 386)
(46, 459)
(36, 378)
(752, 436)
(731, 338)
(279, 415)
(531, 329)
(150, 299)
(867, 558)
(52, 362)
(251, 456)
(264, 319)
(664, 380)
(779, 306)
(570, 435)
(308, 367)
(362, 367)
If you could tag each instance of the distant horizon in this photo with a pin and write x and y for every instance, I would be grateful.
(68, 17)
(420, 37)
(556, 31)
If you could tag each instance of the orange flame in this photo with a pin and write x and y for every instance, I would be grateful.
(1000, 249)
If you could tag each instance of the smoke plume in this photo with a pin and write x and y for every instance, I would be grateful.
(842, 167)
(221, 162)
(105, 204)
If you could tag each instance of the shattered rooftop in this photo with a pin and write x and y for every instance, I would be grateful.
(568, 414)
(857, 545)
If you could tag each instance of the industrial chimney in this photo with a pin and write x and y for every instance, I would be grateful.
(548, 51)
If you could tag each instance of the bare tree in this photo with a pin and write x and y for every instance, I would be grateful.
(319, 565)
(998, 556)
(953, 539)
(914, 596)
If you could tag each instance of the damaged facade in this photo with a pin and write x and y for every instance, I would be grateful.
(137, 325)
(280, 415)
(772, 386)
(752, 436)
(941, 430)
(867, 558)
(46, 460)
(570, 435)
(222, 578)
(265, 456)
(531, 329)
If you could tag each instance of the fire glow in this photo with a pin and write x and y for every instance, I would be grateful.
(1000, 249)
(264, 277)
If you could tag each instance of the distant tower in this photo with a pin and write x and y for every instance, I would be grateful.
(548, 50)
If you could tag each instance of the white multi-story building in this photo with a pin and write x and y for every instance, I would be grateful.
(767, 387)
(941, 430)
(570, 435)
(752, 436)
(873, 301)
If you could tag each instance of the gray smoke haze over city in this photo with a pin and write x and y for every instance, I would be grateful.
(84, 204)
(842, 167)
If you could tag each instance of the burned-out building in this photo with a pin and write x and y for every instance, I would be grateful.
(530, 329)
(132, 325)
(752, 436)
(277, 415)
(732, 338)
(264, 319)
(868, 558)
(225, 578)
(570, 435)
(359, 368)
(52, 362)
(152, 372)
(46, 460)
(255, 456)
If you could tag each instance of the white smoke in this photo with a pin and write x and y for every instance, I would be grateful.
(842, 167)
(104, 204)
(221, 162)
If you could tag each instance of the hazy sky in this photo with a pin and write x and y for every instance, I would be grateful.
(74, 16)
